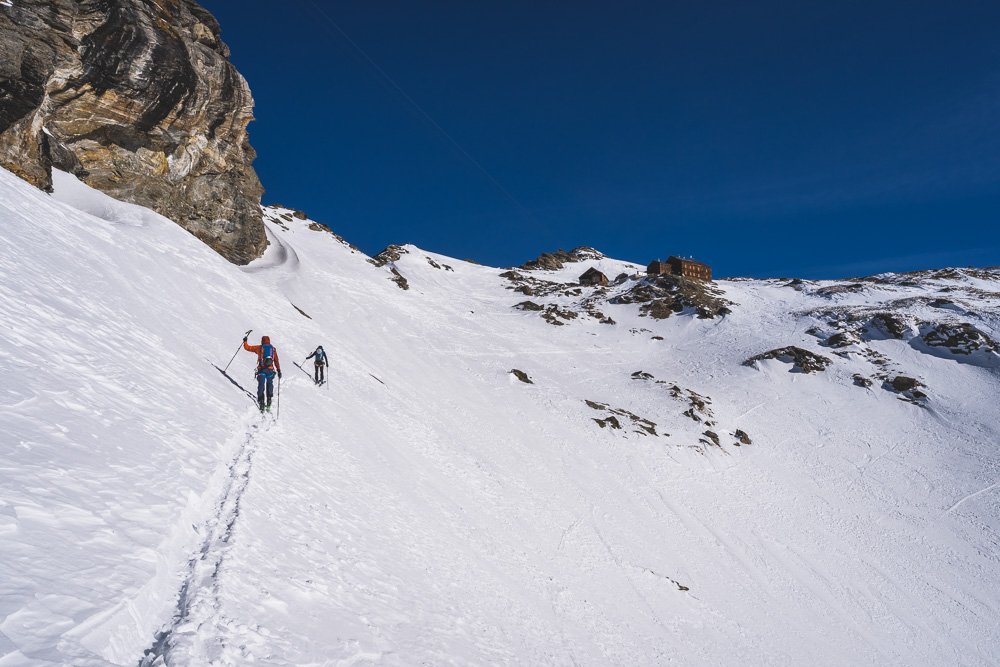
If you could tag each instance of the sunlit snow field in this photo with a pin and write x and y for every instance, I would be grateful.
(428, 508)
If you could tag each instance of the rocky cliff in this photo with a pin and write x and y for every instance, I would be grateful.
(138, 99)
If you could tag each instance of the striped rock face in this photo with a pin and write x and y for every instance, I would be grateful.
(138, 100)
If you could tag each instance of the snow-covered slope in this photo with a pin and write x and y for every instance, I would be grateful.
(428, 507)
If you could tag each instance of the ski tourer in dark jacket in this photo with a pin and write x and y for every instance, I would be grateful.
(320, 362)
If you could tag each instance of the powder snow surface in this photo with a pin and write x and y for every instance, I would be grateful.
(426, 507)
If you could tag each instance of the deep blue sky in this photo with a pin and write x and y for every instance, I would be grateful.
(810, 138)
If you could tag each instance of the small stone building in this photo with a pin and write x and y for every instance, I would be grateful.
(659, 268)
(593, 277)
(680, 266)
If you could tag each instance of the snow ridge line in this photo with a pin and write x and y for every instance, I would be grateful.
(198, 597)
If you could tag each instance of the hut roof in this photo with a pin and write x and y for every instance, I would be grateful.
(686, 260)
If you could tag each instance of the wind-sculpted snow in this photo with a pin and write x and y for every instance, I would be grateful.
(427, 506)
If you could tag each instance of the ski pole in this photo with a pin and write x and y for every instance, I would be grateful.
(237, 351)
(302, 369)
(277, 412)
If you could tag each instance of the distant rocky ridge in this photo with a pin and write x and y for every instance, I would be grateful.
(137, 99)
(551, 261)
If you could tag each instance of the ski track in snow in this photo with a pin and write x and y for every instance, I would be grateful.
(971, 496)
(197, 630)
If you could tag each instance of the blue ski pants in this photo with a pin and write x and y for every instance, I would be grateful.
(264, 382)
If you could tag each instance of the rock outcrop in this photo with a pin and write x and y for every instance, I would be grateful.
(803, 361)
(663, 296)
(551, 261)
(139, 100)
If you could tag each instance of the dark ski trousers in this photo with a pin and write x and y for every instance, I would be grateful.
(319, 373)
(264, 381)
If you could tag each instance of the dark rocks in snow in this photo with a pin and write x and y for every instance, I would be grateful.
(861, 381)
(640, 425)
(842, 339)
(301, 312)
(529, 306)
(663, 296)
(642, 375)
(698, 410)
(959, 338)
(555, 315)
(835, 290)
(742, 436)
(521, 375)
(889, 324)
(532, 286)
(798, 284)
(550, 261)
(320, 227)
(390, 255)
(713, 437)
(904, 383)
(443, 267)
(398, 278)
(912, 278)
(910, 389)
(802, 361)
(610, 421)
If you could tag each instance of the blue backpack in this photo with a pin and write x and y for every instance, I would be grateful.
(266, 360)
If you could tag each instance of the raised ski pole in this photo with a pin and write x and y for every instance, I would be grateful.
(237, 351)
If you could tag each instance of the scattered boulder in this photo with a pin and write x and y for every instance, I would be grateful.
(861, 381)
(742, 437)
(803, 361)
(910, 389)
(521, 375)
(610, 420)
(529, 306)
